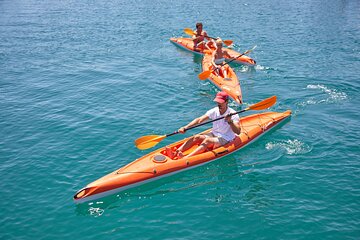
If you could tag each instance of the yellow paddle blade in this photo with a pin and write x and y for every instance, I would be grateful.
(189, 31)
(266, 103)
(204, 75)
(148, 141)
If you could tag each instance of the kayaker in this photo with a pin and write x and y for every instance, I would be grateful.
(223, 131)
(199, 38)
(218, 59)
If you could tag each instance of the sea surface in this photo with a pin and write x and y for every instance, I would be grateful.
(81, 80)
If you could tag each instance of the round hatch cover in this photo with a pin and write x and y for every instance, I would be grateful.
(159, 158)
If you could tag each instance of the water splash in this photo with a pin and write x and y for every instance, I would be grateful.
(244, 69)
(332, 95)
(260, 68)
(292, 147)
(96, 212)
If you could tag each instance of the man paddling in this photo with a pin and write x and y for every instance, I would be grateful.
(199, 37)
(222, 132)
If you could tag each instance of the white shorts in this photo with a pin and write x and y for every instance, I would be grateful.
(220, 141)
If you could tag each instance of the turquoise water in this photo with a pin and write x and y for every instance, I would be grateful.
(81, 80)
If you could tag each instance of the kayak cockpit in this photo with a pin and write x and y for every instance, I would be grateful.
(216, 151)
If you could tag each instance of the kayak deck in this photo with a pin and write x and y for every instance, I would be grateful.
(188, 44)
(230, 85)
(157, 164)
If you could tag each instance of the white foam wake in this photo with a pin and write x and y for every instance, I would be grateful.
(292, 147)
(332, 95)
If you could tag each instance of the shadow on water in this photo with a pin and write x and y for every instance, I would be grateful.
(197, 58)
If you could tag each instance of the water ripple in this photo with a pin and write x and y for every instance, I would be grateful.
(80, 80)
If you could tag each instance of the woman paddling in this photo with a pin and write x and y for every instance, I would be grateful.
(218, 59)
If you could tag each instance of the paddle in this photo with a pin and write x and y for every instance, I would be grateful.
(205, 74)
(149, 141)
(190, 32)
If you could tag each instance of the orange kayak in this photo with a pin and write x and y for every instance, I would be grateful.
(157, 164)
(188, 44)
(230, 85)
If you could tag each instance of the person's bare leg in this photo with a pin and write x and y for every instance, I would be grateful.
(207, 143)
(225, 72)
(197, 139)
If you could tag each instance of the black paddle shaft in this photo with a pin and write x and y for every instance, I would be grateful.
(201, 124)
(233, 59)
